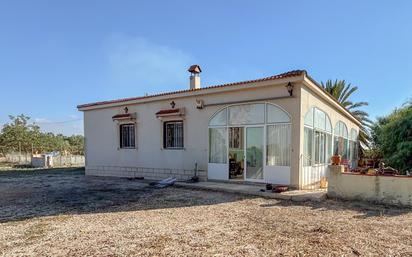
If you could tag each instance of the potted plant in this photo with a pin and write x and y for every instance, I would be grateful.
(336, 159)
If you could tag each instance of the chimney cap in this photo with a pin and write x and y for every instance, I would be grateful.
(194, 69)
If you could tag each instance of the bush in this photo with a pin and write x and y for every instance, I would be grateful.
(392, 136)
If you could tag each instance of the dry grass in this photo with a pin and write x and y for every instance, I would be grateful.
(116, 217)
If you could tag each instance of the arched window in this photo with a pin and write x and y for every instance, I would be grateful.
(278, 131)
(341, 140)
(317, 141)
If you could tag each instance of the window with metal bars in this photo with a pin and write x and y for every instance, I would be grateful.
(173, 134)
(127, 136)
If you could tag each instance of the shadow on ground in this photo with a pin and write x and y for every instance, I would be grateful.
(38, 193)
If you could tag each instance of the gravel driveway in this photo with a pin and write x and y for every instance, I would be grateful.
(64, 213)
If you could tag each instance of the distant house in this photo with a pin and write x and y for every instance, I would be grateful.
(281, 129)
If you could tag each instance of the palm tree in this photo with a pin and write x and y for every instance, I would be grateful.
(342, 92)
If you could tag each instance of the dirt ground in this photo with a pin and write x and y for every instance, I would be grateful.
(64, 213)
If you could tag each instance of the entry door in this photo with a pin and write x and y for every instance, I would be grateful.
(254, 153)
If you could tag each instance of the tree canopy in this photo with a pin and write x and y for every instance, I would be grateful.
(392, 138)
(19, 135)
(343, 92)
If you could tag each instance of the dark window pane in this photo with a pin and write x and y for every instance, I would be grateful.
(173, 134)
(127, 136)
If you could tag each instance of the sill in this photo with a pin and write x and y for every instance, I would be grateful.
(127, 148)
(174, 148)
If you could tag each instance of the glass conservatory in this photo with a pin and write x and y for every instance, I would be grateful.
(250, 142)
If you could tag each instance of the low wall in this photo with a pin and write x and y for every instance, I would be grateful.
(383, 189)
(147, 173)
(38, 161)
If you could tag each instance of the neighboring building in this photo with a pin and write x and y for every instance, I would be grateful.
(280, 129)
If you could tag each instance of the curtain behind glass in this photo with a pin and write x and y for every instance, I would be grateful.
(328, 148)
(217, 145)
(307, 146)
(278, 145)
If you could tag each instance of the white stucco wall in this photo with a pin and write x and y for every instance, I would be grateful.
(383, 189)
(104, 156)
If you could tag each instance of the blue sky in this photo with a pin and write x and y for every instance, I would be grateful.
(55, 55)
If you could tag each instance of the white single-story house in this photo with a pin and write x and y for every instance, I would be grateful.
(281, 129)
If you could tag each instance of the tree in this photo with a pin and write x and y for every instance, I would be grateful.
(392, 137)
(18, 135)
(21, 136)
(342, 93)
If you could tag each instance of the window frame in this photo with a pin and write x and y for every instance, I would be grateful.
(316, 159)
(341, 140)
(120, 135)
(164, 134)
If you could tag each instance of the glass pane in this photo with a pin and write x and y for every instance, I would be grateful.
(353, 135)
(307, 147)
(336, 146)
(127, 136)
(343, 130)
(337, 130)
(278, 145)
(236, 153)
(217, 145)
(317, 147)
(220, 118)
(328, 125)
(254, 153)
(328, 148)
(173, 135)
(345, 154)
(247, 114)
(275, 114)
(322, 148)
(309, 118)
(320, 119)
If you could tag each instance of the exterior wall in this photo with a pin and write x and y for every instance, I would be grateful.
(308, 100)
(104, 157)
(383, 189)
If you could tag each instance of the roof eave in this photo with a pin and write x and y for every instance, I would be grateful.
(203, 91)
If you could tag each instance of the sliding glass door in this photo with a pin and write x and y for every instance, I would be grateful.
(254, 153)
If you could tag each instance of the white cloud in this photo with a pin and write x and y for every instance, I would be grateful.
(42, 120)
(139, 64)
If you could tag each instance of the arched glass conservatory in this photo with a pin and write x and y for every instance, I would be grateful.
(317, 142)
(317, 146)
(250, 142)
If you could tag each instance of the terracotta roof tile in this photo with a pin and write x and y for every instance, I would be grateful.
(167, 111)
(122, 116)
(293, 73)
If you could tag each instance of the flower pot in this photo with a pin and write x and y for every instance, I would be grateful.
(336, 159)
(280, 189)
